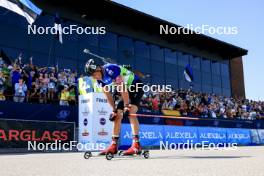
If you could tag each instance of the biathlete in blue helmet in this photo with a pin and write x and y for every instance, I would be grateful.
(130, 88)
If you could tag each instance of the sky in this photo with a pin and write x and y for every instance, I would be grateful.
(246, 15)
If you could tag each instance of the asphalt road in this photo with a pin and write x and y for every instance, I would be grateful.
(244, 161)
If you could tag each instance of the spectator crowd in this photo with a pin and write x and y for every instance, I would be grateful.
(29, 83)
(193, 104)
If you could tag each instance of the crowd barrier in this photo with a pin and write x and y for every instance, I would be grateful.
(54, 112)
(154, 136)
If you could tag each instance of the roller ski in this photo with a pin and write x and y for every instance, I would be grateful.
(134, 150)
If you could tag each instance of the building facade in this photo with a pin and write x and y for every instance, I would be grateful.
(162, 60)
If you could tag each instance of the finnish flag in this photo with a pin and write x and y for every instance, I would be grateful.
(57, 26)
(188, 73)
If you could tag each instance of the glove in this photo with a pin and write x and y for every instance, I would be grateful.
(113, 115)
(126, 111)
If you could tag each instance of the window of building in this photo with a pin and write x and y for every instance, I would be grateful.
(216, 68)
(206, 65)
(108, 41)
(141, 49)
(183, 59)
(125, 45)
(157, 53)
(170, 57)
(195, 62)
(143, 64)
(157, 68)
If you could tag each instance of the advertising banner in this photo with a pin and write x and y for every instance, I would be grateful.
(211, 135)
(254, 136)
(239, 136)
(94, 125)
(261, 135)
(150, 135)
(173, 134)
(17, 133)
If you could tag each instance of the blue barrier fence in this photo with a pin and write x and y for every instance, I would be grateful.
(54, 112)
(153, 135)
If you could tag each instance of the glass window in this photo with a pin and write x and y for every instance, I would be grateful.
(157, 68)
(141, 49)
(227, 92)
(171, 70)
(206, 79)
(126, 59)
(217, 90)
(225, 69)
(143, 64)
(45, 21)
(206, 88)
(108, 41)
(170, 57)
(225, 82)
(67, 63)
(216, 81)
(41, 60)
(157, 53)
(110, 55)
(195, 62)
(183, 59)
(42, 43)
(67, 49)
(92, 40)
(197, 76)
(206, 65)
(197, 87)
(158, 80)
(172, 81)
(183, 84)
(125, 44)
(216, 68)
(13, 37)
(13, 53)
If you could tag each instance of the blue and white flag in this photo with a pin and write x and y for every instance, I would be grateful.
(188, 73)
(24, 8)
(57, 26)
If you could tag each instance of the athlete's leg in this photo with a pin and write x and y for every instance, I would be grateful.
(116, 130)
(134, 120)
(117, 123)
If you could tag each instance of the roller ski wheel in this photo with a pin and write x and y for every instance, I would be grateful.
(146, 154)
(87, 155)
(109, 156)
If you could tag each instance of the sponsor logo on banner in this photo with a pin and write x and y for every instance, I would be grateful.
(102, 121)
(86, 112)
(102, 133)
(85, 122)
(85, 101)
(85, 133)
(102, 112)
(101, 100)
